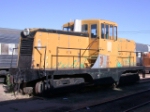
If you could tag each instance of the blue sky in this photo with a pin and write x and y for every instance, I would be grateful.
(132, 16)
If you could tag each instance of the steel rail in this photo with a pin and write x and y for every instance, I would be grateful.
(108, 101)
(138, 106)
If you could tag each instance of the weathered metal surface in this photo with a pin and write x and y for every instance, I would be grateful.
(25, 57)
(28, 75)
(9, 35)
(5, 61)
(141, 47)
(101, 62)
(9, 38)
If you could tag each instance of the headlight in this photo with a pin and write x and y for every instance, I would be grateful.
(26, 32)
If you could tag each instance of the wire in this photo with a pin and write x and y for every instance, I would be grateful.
(139, 31)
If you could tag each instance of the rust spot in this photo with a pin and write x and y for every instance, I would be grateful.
(101, 60)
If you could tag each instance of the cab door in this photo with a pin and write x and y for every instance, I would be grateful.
(93, 42)
(94, 39)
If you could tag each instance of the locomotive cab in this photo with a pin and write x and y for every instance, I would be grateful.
(96, 28)
(102, 36)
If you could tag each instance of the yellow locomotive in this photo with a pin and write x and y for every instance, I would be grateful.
(85, 49)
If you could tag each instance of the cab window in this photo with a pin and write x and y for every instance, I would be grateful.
(115, 33)
(66, 29)
(69, 28)
(84, 28)
(111, 31)
(102, 31)
(93, 30)
(107, 32)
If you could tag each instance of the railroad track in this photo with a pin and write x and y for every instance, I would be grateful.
(89, 105)
(144, 80)
(99, 106)
(136, 107)
(64, 107)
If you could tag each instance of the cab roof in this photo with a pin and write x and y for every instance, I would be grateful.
(91, 20)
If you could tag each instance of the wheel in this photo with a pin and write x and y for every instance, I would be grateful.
(36, 86)
(39, 87)
(27, 90)
(143, 75)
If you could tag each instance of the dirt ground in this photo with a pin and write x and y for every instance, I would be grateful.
(24, 103)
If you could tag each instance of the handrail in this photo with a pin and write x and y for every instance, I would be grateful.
(12, 57)
(70, 57)
(90, 45)
(80, 49)
(36, 47)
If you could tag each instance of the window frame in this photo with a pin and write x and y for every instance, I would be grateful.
(106, 34)
(84, 27)
(114, 33)
(69, 28)
(111, 34)
(102, 35)
(7, 47)
(95, 36)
